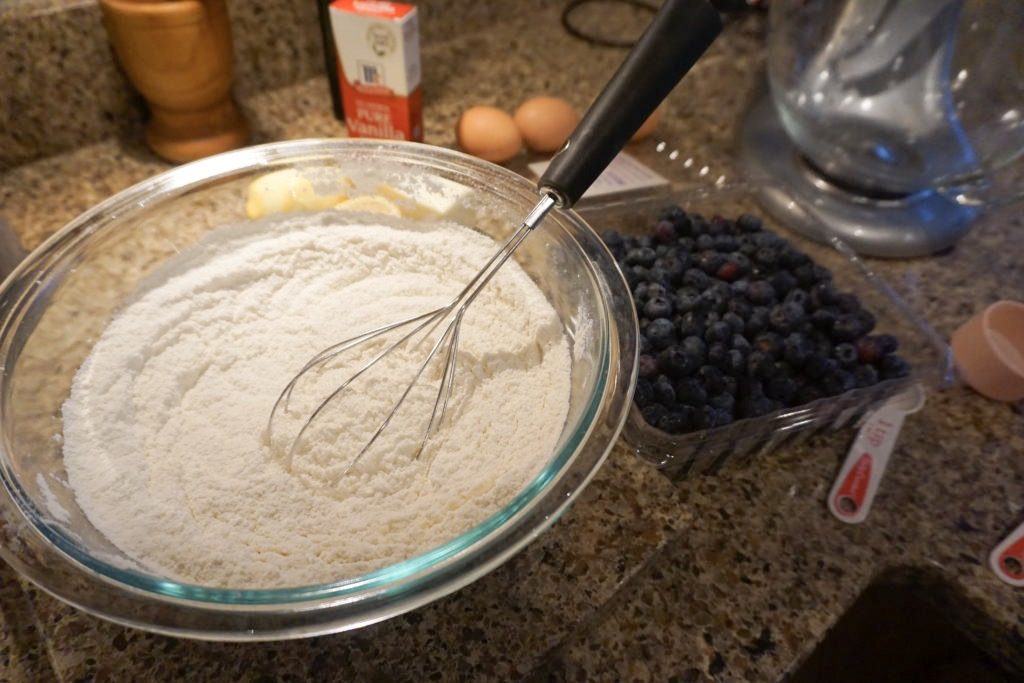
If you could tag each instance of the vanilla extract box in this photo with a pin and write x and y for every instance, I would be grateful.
(378, 48)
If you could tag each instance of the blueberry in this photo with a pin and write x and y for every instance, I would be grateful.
(722, 401)
(797, 296)
(837, 382)
(713, 379)
(677, 422)
(741, 308)
(676, 362)
(781, 368)
(761, 292)
(785, 317)
(635, 275)
(770, 344)
(755, 406)
(653, 412)
(687, 244)
(797, 348)
(734, 322)
(717, 417)
(690, 391)
(891, 367)
(646, 366)
(728, 271)
(710, 261)
(821, 273)
(687, 299)
(845, 353)
(847, 327)
(783, 282)
(740, 343)
(760, 365)
(717, 354)
(867, 321)
(715, 298)
(660, 333)
(658, 307)
(748, 222)
(612, 239)
(748, 249)
(659, 275)
(643, 346)
(660, 250)
(865, 375)
(674, 268)
(823, 294)
(848, 303)
(718, 332)
(887, 343)
(640, 291)
(868, 349)
(717, 226)
(697, 279)
(701, 419)
(664, 392)
(791, 258)
(780, 388)
(726, 243)
(655, 290)
(768, 239)
(664, 232)
(804, 275)
(825, 318)
(735, 362)
(692, 324)
(757, 321)
(675, 214)
(705, 242)
(696, 348)
(641, 256)
(748, 387)
(644, 393)
(766, 256)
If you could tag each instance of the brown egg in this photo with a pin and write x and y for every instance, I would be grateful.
(648, 126)
(488, 133)
(546, 122)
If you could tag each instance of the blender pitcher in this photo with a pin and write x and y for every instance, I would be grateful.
(901, 117)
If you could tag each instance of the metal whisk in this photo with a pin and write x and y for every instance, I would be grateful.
(453, 312)
(680, 32)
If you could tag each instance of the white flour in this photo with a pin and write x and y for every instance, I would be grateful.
(164, 439)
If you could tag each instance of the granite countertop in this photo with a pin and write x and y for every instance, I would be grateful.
(730, 577)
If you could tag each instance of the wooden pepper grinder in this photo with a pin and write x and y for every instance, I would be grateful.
(178, 54)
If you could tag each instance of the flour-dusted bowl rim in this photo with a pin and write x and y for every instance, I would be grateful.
(47, 318)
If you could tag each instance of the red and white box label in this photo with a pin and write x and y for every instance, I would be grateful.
(378, 46)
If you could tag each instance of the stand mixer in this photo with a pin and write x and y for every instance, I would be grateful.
(887, 119)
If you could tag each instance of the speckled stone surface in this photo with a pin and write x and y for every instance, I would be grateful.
(731, 578)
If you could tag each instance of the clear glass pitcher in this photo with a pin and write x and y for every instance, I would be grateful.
(898, 96)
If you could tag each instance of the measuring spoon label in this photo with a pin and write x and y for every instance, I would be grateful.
(855, 487)
(1007, 560)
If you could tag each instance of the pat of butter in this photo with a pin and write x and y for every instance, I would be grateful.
(290, 190)
(370, 204)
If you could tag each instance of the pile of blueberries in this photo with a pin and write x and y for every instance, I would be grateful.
(736, 323)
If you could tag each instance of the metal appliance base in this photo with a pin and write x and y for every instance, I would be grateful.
(798, 196)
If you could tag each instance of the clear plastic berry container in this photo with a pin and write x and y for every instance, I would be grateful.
(707, 451)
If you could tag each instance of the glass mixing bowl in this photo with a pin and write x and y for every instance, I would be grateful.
(58, 301)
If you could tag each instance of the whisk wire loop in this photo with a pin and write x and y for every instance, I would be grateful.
(429, 322)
